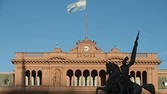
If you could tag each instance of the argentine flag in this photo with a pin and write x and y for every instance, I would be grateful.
(77, 6)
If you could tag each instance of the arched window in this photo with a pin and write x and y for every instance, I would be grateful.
(33, 78)
(78, 78)
(144, 77)
(6, 82)
(85, 79)
(27, 78)
(102, 75)
(39, 78)
(94, 78)
(132, 74)
(138, 77)
(69, 79)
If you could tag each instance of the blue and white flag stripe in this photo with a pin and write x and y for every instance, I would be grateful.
(77, 6)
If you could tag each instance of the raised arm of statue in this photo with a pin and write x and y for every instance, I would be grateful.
(133, 55)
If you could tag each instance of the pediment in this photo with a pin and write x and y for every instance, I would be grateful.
(86, 46)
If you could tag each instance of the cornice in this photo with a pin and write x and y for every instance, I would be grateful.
(148, 62)
(57, 61)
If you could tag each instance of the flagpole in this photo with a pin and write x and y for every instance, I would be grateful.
(86, 22)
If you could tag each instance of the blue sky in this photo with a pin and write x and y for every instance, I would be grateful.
(37, 25)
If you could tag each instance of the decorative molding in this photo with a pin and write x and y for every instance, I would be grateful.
(60, 60)
(57, 58)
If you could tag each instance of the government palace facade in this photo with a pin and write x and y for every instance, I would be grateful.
(78, 71)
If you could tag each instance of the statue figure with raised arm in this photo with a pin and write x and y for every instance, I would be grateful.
(128, 85)
(119, 81)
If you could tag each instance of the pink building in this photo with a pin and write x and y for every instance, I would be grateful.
(79, 71)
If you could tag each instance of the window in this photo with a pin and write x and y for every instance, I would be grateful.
(6, 82)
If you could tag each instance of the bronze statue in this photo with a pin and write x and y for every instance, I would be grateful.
(119, 81)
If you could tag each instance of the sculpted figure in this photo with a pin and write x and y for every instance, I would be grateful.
(119, 81)
(54, 79)
(113, 82)
(128, 85)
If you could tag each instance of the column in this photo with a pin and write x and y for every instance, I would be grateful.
(67, 81)
(84, 81)
(72, 80)
(82, 77)
(75, 81)
(87, 81)
(80, 81)
(38, 81)
(30, 78)
(91, 81)
(138, 80)
(36, 78)
(135, 77)
(141, 79)
(96, 81)
(98, 75)
(32, 81)
(26, 80)
(99, 81)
